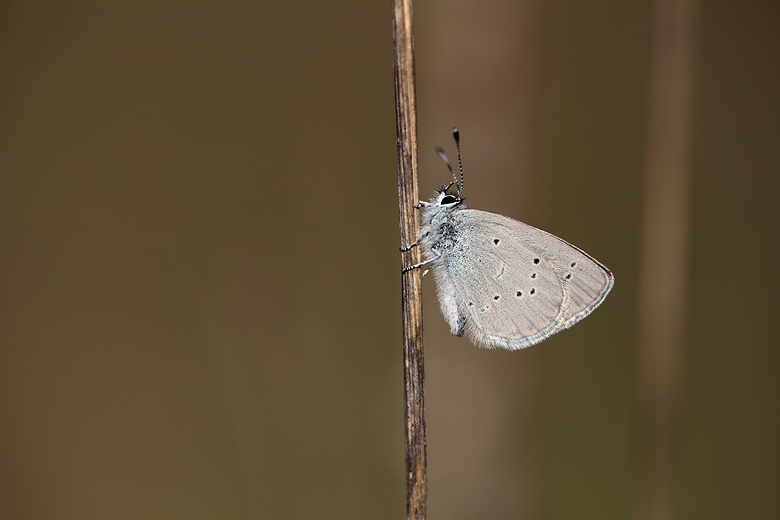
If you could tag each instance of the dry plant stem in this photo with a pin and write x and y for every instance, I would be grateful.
(411, 290)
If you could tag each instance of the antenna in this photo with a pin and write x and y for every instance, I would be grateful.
(447, 162)
(456, 135)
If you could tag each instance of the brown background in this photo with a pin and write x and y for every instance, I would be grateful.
(199, 275)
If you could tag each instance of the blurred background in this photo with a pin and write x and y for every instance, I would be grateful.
(200, 277)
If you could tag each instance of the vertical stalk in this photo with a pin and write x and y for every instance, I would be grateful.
(664, 260)
(411, 290)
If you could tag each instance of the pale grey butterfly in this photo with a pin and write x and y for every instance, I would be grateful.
(505, 283)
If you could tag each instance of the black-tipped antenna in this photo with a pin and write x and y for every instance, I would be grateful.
(456, 135)
(447, 162)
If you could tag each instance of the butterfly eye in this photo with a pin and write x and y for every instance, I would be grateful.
(448, 199)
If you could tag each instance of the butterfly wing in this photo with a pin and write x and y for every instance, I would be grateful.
(516, 285)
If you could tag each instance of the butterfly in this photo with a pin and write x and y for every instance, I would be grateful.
(504, 283)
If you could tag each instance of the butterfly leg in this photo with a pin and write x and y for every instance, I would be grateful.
(425, 262)
(407, 248)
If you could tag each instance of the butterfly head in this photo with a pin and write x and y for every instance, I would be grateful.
(443, 198)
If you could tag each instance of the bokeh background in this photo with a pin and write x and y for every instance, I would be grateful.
(200, 277)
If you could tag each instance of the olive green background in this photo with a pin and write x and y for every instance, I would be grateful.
(199, 267)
